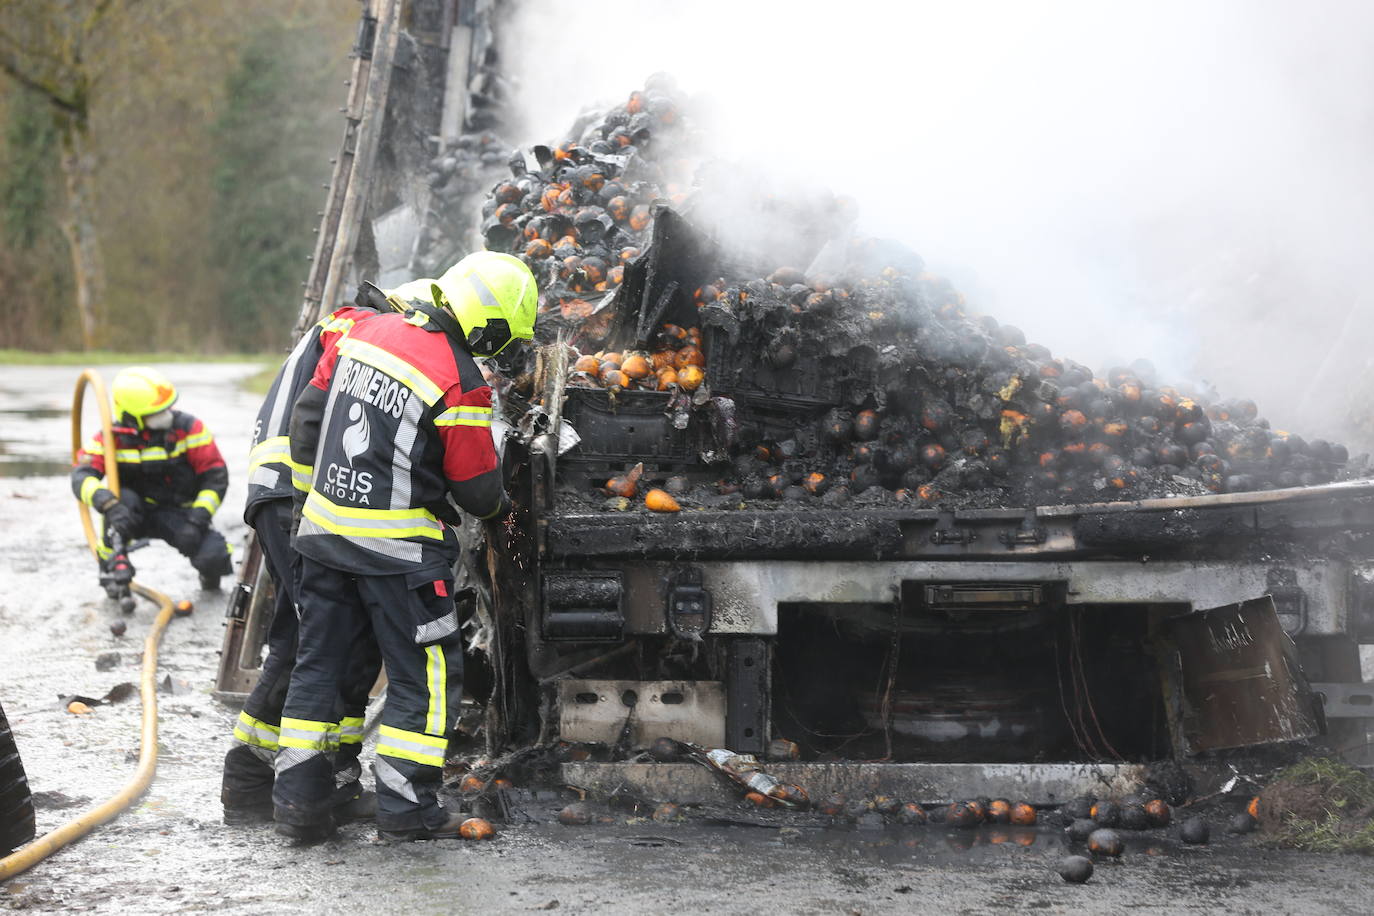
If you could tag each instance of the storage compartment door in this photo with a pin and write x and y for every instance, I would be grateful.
(1240, 683)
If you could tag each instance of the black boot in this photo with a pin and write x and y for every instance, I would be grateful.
(446, 830)
(302, 797)
(246, 790)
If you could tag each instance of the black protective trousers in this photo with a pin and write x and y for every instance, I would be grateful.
(248, 773)
(204, 547)
(415, 621)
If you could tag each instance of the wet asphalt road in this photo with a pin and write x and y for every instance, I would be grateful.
(171, 854)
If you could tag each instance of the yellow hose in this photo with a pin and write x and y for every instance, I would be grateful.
(75, 829)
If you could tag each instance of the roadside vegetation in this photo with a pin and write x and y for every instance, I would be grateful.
(1320, 805)
(160, 170)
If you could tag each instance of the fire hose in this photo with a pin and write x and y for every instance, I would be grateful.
(77, 828)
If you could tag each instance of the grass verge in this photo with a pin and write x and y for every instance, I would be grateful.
(1320, 805)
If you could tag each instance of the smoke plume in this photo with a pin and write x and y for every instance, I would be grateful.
(1181, 181)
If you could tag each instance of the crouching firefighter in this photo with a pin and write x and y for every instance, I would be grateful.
(172, 481)
(273, 479)
(394, 425)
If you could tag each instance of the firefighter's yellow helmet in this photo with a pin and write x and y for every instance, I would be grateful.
(494, 297)
(140, 392)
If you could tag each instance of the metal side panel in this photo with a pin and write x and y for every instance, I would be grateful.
(1240, 680)
(1346, 701)
(746, 594)
(597, 711)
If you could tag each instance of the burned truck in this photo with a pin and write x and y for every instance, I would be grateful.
(782, 490)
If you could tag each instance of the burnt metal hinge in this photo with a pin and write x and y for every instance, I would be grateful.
(1028, 534)
(942, 536)
(946, 533)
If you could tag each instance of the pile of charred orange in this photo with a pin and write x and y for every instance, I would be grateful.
(584, 212)
(676, 361)
(876, 382)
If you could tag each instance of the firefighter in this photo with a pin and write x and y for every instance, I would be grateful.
(395, 425)
(172, 480)
(273, 479)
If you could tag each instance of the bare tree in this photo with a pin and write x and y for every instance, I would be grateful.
(44, 47)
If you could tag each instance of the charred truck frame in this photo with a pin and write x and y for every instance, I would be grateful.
(1061, 646)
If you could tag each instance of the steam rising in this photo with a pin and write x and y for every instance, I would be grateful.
(1181, 181)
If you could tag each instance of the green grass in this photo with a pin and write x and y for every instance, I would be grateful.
(109, 357)
(1348, 792)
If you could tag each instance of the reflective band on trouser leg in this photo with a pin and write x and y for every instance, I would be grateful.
(436, 678)
(418, 747)
(308, 735)
(351, 730)
(256, 733)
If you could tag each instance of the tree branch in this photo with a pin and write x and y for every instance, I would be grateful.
(101, 8)
(11, 69)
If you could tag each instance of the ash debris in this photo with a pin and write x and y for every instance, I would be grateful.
(783, 359)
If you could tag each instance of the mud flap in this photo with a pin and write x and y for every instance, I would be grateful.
(1238, 681)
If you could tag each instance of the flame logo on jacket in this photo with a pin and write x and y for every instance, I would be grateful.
(357, 436)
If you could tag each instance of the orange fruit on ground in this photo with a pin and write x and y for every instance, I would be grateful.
(476, 828)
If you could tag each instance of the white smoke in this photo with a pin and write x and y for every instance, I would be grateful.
(1188, 182)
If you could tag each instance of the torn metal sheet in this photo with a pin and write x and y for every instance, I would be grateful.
(1241, 682)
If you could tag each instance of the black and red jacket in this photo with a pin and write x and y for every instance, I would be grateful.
(396, 421)
(179, 466)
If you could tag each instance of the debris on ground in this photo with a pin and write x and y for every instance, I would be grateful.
(1106, 842)
(476, 828)
(1076, 869)
(1195, 831)
(1320, 805)
(744, 772)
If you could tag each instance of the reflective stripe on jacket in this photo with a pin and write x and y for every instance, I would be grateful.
(399, 420)
(179, 466)
(271, 472)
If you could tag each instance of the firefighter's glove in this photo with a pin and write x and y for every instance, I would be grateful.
(103, 499)
(121, 519)
(200, 517)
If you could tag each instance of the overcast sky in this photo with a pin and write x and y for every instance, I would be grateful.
(1188, 182)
